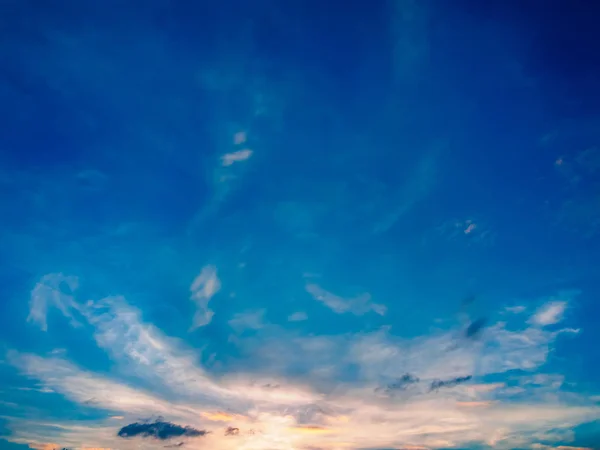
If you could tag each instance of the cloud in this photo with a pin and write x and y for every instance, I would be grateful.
(232, 431)
(324, 411)
(437, 384)
(159, 430)
(475, 328)
(240, 155)
(299, 316)
(203, 288)
(550, 313)
(54, 290)
(515, 309)
(247, 321)
(465, 230)
(239, 138)
(357, 306)
(402, 383)
(48, 446)
(220, 416)
(145, 351)
(89, 389)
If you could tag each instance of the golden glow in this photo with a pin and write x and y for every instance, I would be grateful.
(311, 429)
(220, 416)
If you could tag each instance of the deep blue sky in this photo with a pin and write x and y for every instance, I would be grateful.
(299, 219)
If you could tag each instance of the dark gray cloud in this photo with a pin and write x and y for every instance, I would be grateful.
(437, 384)
(475, 328)
(232, 431)
(159, 430)
(401, 383)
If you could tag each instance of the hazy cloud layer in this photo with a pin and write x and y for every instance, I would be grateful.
(358, 306)
(435, 393)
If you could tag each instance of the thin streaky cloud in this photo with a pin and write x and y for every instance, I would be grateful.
(358, 305)
(203, 288)
(53, 290)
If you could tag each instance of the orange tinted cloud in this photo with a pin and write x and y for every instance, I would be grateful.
(337, 419)
(566, 447)
(311, 429)
(220, 416)
(474, 404)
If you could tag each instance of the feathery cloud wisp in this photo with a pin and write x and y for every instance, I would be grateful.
(203, 288)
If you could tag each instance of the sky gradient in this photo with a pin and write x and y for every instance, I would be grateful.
(281, 225)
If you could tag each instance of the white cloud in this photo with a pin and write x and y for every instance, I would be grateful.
(298, 316)
(145, 351)
(53, 290)
(86, 388)
(203, 288)
(358, 306)
(515, 309)
(247, 321)
(550, 313)
(241, 155)
(324, 412)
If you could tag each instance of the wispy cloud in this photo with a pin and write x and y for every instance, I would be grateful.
(86, 388)
(358, 306)
(298, 316)
(252, 320)
(550, 313)
(470, 231)
(444, 400)
(204, 287)
(515, 309)
(240, 155)
(53, 290)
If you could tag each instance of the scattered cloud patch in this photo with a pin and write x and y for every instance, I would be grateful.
(471, 230)
(220, 416)
(297, 317)
(239, 138)
(253, 320)
(550, 313)
(232, 431)
(475, 328)
(515, 309)
(240, 155)
(203, 288)
(159, 430)
(402, 383)
(358, 306)
(437, 384)
(53, 290)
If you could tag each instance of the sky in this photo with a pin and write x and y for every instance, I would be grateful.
(281, 225)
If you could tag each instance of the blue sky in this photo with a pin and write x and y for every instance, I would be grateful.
(289, 225)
